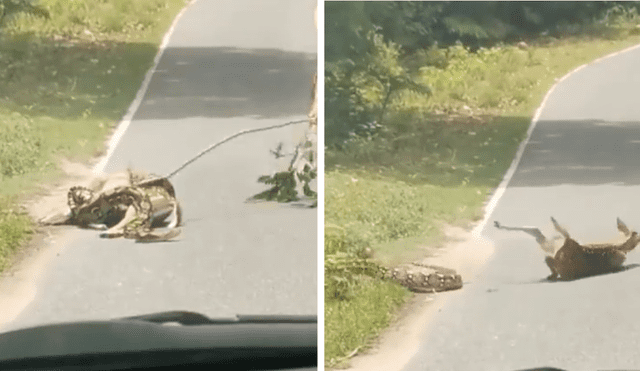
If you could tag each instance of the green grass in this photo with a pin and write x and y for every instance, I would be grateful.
(504, 79)
(67, 80)
(354, 323)
(15, 228)
(436, 162)
(368, 210)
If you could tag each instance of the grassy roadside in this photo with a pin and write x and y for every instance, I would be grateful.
(438, 162)
(68, 78)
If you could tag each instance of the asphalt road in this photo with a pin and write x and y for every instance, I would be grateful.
(581, 166)
(229, 66)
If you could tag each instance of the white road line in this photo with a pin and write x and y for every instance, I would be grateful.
(477, 231)
(126, 120)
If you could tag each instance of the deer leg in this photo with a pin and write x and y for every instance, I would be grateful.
(630, 243)
(545, 244)
(154, 236)
(56, 219)
(177, 211)
(535, 232)
(97, 227)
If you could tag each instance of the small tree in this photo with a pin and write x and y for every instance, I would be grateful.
(303, 168)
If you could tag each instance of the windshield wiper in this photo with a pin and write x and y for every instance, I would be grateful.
(258, 342)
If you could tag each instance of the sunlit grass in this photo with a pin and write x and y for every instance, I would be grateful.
(507, 79)
(368, 210)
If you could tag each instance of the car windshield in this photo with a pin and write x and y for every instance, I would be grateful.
(89, 99)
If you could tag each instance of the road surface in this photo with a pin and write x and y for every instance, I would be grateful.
(581, 166)
(228, 66)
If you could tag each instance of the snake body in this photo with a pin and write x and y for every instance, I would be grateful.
(420, 277)
(130, 211)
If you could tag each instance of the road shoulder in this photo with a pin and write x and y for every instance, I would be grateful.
(464, 252)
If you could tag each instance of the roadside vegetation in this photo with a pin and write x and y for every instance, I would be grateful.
(426, 104)
(69, 70)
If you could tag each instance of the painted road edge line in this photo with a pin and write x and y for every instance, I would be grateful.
(133, 108)
(499, 192)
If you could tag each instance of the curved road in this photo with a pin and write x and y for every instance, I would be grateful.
(228, 66)
(582, 167)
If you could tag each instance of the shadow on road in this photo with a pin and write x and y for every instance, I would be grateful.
(226, 82)
(583, 152)
(547, 280)
(450, 152)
